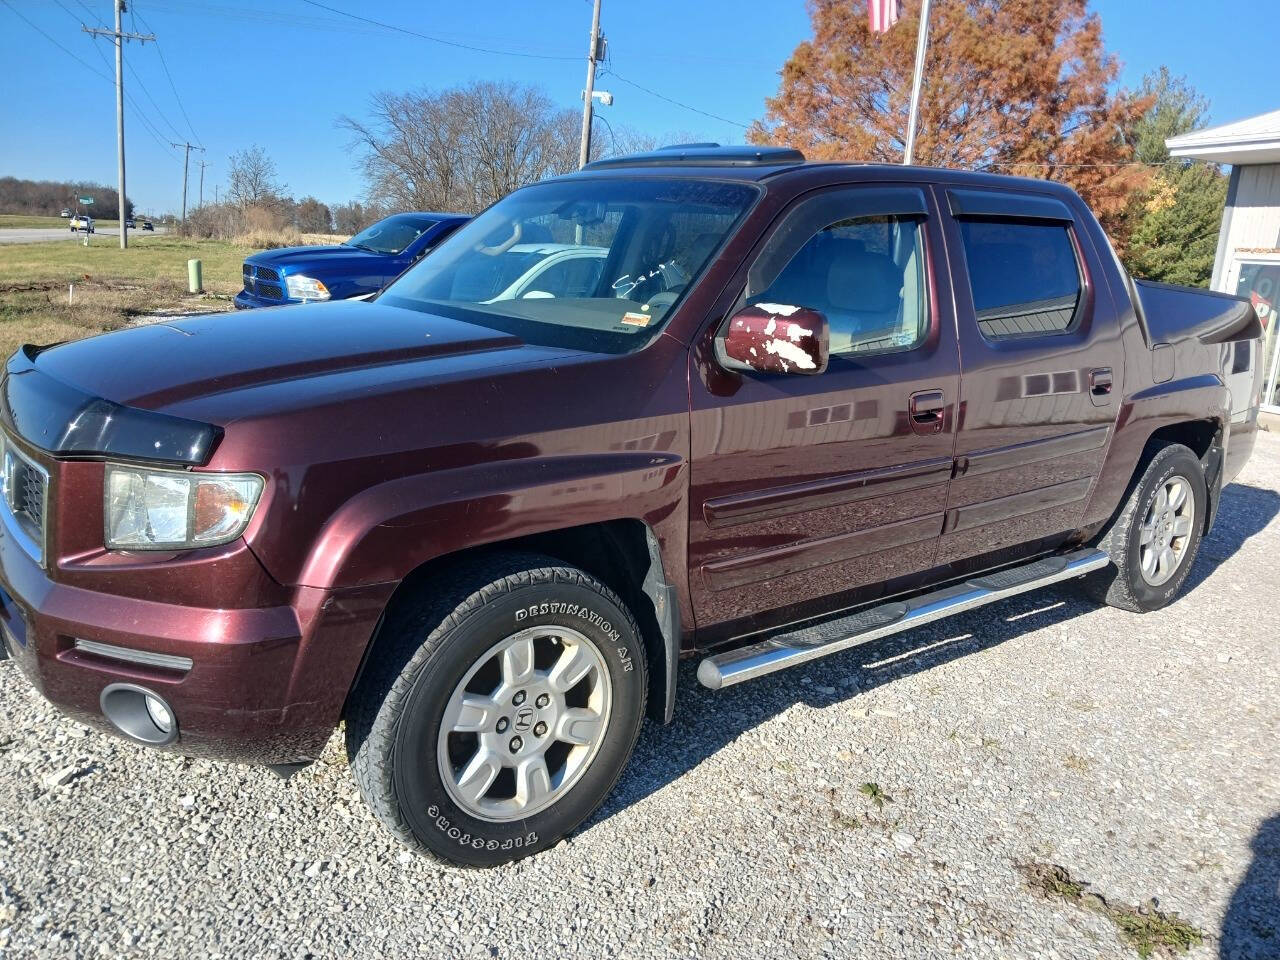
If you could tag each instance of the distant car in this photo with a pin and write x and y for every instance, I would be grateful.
(359, 267)
(65, 214)
(82, 223)
(129, 224)
(148, 225)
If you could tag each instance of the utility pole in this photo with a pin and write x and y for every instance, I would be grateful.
(119, 37)
(186, 160)
(202, 166)
(593, 55)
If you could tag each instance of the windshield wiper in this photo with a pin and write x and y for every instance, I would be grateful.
(361, 246)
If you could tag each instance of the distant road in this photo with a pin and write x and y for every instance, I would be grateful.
(46, 234)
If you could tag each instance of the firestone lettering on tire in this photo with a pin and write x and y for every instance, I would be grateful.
(462, 838)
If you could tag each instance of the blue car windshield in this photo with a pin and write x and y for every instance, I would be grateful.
(392, 235)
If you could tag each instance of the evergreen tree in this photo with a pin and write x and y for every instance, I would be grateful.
(1176, 218)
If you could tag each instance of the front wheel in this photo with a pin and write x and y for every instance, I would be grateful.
(498, 710)
(1154, 540)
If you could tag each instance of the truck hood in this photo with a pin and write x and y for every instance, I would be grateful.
(217, 368)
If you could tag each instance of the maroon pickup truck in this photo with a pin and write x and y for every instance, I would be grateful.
(773, 410)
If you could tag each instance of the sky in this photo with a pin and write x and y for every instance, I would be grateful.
(280, 73)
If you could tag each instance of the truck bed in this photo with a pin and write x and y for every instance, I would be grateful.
(1170, 313)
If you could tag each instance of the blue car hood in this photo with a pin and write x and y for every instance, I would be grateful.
(319, 258)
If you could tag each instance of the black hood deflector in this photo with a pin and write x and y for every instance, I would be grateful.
(63, 420)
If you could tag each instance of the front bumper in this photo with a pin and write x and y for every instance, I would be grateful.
(266, 685)
(248, 301)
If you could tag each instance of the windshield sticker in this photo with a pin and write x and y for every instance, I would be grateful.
(636, 319)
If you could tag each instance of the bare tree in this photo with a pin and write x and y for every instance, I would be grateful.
(252, 179)
(353, 217)
(618, 140)
(313, 216)
(462, 148)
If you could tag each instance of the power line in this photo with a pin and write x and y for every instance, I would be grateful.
(423, 36)
(119, 36)
(146, 121)
(142, 117)
(1050, 163)
(160, 113)
(172, 85)
(141, 114)
(89, 10)
(83, 63)
(654, 93)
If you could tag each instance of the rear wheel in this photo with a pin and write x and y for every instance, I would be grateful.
(499, 710)
(1154, 540)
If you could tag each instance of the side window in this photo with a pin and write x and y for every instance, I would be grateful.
(1024, 276)
(866, 275)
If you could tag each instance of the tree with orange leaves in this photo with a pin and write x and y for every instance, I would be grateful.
(1013, 86)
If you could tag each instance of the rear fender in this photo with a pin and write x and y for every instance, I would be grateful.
(1203, 397)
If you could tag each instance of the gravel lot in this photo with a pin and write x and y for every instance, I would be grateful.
(1141, 753)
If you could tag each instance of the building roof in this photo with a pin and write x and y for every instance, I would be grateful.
(1253, 140)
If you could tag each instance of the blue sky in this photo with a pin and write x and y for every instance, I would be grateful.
(279, 73)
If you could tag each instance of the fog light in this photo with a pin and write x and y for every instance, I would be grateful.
(159, 713)
(139, 714)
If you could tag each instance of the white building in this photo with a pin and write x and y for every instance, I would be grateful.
(1248, 259)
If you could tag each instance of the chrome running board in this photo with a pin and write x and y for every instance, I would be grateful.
(809, 643)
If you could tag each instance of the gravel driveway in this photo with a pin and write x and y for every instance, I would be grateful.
(1140, 753)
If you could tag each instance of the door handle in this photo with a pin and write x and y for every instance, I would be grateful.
(927, 410)
(1100, 381)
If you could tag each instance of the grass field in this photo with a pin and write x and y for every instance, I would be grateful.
(14, 221)
(111, 285)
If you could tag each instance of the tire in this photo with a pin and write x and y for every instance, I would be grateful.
(428, 648)
(1126, 584)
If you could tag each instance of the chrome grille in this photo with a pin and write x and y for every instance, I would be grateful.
(26, 498)
(262, 281)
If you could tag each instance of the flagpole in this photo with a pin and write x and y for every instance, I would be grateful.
(913, 119)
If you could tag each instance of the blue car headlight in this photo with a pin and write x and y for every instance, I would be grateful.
(305, 288)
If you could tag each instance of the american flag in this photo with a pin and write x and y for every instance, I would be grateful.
(883, 13)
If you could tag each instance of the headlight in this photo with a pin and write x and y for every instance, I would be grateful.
(172, 509)
(305, 288)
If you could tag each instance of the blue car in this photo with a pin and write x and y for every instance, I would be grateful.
(358, 267)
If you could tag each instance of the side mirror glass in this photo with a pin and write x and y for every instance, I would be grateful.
(775, 338)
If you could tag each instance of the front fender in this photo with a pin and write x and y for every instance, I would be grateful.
(389, 530)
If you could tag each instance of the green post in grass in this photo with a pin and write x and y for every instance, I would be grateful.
(193, 277)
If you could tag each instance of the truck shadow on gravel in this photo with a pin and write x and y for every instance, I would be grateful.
(1251, 928)
(705, 721)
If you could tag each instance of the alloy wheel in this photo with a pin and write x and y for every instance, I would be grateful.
(1165, 532)
(524, 723)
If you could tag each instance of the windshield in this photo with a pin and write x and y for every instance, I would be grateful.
(391, 235)
(580, 263)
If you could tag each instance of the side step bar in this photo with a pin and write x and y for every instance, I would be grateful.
(809, 643)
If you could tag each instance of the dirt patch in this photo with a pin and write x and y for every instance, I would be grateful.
(45, 311)
(1149, 930)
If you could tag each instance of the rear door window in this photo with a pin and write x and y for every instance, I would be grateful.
(1025, 277)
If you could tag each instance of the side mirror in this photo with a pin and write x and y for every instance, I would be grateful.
(775, 338)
